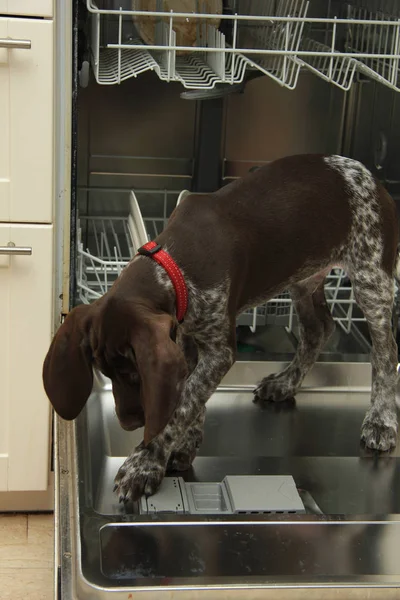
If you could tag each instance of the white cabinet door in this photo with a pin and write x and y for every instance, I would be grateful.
(34, 8)
(26, 298)
(26, 122)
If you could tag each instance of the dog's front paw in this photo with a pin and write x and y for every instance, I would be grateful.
(275, 388)
(140, 474)
(379, 434)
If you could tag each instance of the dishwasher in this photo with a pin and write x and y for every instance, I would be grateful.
(177, 96)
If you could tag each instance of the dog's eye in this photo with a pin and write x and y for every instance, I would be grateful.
(122, 363)
(103, 366)
(130, 355)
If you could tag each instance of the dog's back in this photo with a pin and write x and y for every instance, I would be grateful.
(287, 219)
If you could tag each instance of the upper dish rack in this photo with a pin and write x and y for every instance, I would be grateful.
(276, 38)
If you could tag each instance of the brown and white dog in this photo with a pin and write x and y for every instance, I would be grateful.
(282, 227)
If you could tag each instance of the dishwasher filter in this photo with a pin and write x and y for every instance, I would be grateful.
(236, 495)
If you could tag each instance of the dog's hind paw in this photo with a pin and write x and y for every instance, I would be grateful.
(378, 435)
(274, 388)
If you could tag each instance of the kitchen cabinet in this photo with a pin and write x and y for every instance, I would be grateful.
(26, 279)
(26, 321)
(26, 120)
(38, 8)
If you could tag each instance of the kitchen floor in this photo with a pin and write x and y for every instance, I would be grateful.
(26, 556)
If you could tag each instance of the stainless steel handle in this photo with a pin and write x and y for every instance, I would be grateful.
(12, 250)
(15, 44)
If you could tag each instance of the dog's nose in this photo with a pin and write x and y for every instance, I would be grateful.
(131, 423)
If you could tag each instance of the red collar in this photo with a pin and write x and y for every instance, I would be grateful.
(154, 251)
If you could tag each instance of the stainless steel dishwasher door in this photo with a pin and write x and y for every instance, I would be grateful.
(112, 551)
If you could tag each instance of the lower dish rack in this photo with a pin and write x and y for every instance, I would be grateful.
(105, 245)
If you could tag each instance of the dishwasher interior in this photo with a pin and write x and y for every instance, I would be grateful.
(254, 81)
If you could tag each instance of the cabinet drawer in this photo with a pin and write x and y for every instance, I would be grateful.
(26, 326)
(27, 8)
(26, 122)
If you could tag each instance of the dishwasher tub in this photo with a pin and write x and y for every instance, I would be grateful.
(108, 550)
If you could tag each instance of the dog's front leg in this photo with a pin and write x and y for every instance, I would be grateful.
(143, 471)
(185, 451)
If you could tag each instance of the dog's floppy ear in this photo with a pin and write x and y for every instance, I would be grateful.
(163, 370)
(67, 368)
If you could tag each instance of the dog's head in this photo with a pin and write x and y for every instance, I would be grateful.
(132, 345)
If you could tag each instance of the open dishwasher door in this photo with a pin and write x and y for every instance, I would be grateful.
(339, 541)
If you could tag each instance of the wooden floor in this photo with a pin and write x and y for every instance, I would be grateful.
(26, 557)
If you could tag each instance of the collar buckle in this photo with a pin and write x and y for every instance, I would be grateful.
(148, 250)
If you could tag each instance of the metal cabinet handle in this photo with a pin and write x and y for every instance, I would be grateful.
(12, 250)
(15, 44)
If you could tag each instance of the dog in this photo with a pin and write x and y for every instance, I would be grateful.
(282, 227)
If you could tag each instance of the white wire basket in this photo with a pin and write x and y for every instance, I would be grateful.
(108, 247)
(330, 66)
(211, 60)
(376, 43)
(275, 37)
(101, 260)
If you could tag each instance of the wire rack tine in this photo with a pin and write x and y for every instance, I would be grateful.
(117, 247)
(102, 285)
(128, 239)
(104, 238)
(117, 261)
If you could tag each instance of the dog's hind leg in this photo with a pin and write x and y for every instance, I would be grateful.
(316, 325)
(374, 293)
